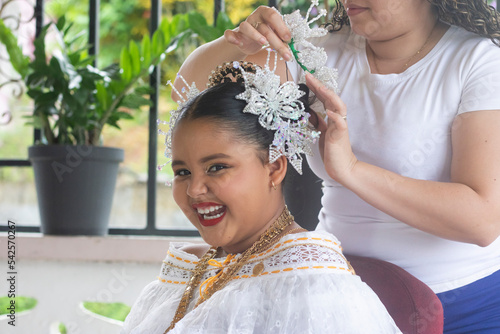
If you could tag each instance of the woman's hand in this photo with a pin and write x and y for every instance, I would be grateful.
(335, 146)
(263, 27)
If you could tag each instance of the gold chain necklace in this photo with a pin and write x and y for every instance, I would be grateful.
(409, 59)
(265, 240)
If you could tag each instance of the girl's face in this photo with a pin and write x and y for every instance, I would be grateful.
(386, 19)
(221, 185)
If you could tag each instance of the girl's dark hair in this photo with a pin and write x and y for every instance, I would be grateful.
(219, 104)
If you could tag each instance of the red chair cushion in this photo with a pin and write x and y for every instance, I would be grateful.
(412, 304)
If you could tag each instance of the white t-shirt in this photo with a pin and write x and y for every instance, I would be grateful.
(402, 122)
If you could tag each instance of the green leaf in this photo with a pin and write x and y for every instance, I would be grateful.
(134, 101)
(57, 72)
(146, 51)
(161, 45)
(123, 115)
(62, 328)
(45, 109)
(37, 80)
(135, 58)
(125, 65)
(154, 43)
(39, 43)
(61, 22)
(102, 95)
(34, 93)
(166, 28)
(66, 30)
(22, 304)
(73, 105)
(143, 90)
(199, 25)
(223, 23)
(178, 40)
(49, 98)
(179, 24)
(19, 61)
(116, 87)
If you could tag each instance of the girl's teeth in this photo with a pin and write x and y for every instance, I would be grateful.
(213, 217)
(204, 211)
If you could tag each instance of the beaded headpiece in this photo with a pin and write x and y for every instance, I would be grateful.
(310, 58)
(279, 109)
(278, 105)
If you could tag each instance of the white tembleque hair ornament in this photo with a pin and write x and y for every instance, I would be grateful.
(279, 108)
(311, 58)
(186, 95)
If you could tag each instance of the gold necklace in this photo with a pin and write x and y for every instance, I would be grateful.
(409, 59)
(265, 240)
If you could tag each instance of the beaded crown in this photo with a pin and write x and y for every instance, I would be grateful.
(277, 105)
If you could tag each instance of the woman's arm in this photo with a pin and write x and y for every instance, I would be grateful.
(467, 209)
(264, 26)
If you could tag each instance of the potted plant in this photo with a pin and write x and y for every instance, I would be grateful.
(73, 102)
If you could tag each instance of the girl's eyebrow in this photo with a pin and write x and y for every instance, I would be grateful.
(202, 160)
(213, 157)
(177, 162)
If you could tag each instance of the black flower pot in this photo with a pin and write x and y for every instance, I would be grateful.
(75, 186)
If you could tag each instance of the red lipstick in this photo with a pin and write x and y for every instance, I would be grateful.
(212, 217)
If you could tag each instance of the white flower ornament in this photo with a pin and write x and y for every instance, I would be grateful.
(279, 109)
(266, 97)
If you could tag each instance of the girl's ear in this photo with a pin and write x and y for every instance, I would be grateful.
(277, 170)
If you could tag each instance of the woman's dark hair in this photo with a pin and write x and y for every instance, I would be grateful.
(473, 15)
(220, 105)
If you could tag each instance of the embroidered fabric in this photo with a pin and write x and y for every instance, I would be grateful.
(305, 287)
(288, 256)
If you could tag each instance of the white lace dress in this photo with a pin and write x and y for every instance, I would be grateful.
(305, 287)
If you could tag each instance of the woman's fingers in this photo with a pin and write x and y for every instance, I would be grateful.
(339, 121)
(272, 18)
(328, 97)
(251, 30)
(274, 41)
(264, 27)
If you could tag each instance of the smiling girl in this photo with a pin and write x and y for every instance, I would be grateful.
(259, 271)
